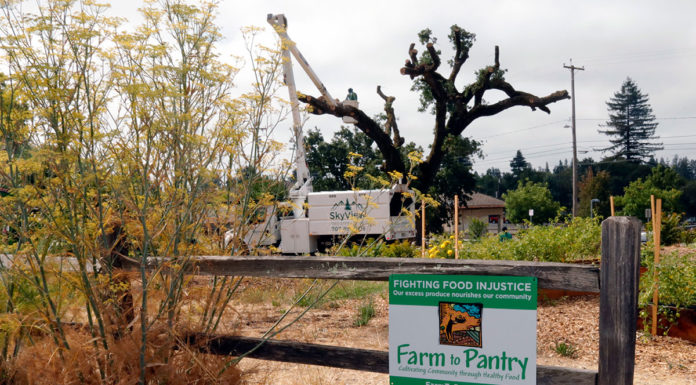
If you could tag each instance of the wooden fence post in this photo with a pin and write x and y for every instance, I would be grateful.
(618, 300)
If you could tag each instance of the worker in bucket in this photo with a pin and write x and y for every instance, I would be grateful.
(351, 95)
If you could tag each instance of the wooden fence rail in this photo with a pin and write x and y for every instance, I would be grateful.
(349, 358)
(550, 275)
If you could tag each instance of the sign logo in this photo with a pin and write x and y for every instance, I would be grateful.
(460, 324)
(346, 210)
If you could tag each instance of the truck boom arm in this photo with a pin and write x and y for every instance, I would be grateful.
(298, 193)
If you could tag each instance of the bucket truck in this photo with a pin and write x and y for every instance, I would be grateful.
(320, 216)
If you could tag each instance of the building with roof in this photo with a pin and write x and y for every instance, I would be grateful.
(486, 208)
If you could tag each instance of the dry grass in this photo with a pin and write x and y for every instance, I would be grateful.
(42, 363)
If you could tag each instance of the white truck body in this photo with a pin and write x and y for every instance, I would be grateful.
(358, 212)
(349, 213)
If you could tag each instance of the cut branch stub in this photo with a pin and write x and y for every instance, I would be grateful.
(434, 55)
(391, 154)
(497, 57)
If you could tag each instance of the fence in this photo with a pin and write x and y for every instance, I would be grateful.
(616, 280)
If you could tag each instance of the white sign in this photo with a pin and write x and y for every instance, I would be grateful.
(531, 212)
(456, 330)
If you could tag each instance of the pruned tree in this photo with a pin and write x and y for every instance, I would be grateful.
(454, 108)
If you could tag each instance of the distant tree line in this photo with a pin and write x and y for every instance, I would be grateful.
(598, 180)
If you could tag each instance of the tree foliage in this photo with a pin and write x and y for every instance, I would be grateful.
(631, 125)
(595, 187)
(529, 195)
(328, 161)
(455, 177)
(662, 183)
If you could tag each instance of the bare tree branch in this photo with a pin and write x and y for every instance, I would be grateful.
(435, 56)
(460, 55)
(391, 125)
(391, 154)
(519, 99)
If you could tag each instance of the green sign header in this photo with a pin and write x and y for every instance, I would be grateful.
(495, 292)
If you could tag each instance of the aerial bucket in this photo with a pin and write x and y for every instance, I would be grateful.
(352, 103)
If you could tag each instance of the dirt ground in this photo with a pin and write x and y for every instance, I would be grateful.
(661, 360)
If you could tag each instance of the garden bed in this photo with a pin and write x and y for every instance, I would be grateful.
(683, 327)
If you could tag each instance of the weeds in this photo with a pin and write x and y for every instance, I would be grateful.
(565, 349)
(365, 313)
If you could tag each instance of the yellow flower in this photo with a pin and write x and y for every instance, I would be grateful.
(449, 252)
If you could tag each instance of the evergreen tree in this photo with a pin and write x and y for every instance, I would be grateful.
(595, 187)
(631, 125)
(518, 164)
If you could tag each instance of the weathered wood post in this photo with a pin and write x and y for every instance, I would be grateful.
(618, 300)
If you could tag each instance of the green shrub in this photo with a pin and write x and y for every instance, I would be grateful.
(578, 239)
(688, 236)
(442, 246)
(401, 249)
(676, 278)
(477, 228)
(671, 231)
(370, 248)
(676, 283)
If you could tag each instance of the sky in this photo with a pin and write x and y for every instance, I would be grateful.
(363, 44)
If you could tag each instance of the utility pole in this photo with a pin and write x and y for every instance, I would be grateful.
(572, 69)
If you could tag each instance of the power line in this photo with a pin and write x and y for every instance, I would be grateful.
(656, 118)
(584, 119)
(640, 56)
(512, 149)
(527, 148)
(583, 150)
(524, 129)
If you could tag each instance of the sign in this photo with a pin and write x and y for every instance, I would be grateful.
(531, 212)
(461, 329)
